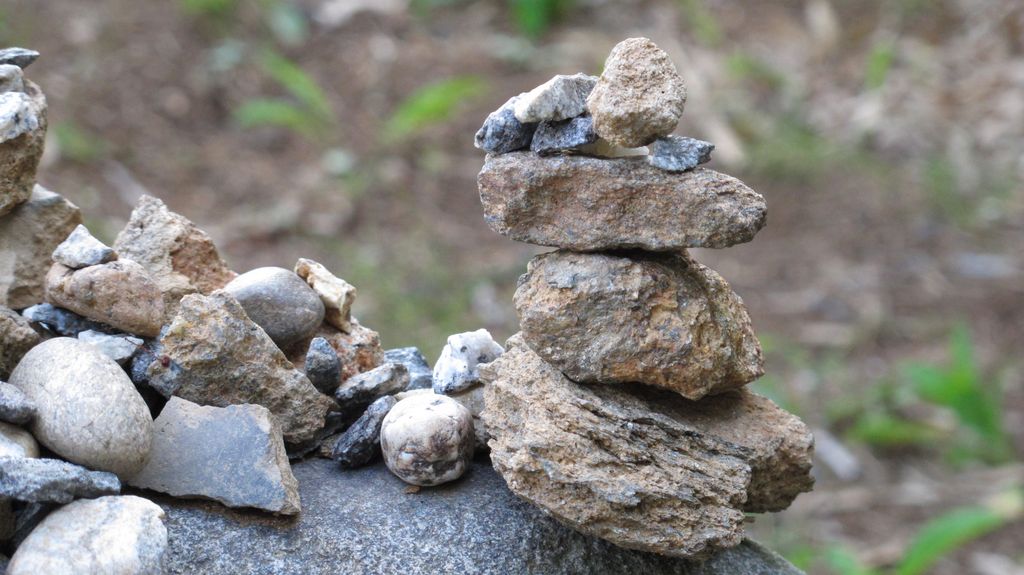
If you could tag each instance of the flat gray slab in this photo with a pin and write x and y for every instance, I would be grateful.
(364, 522)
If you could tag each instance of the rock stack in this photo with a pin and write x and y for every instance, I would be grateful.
(619, 408)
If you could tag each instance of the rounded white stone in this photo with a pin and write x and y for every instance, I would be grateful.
(16, 442)
(427, 439)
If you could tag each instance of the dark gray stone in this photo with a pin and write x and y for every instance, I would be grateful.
(61, 321)
(679, 153)
(81, 249)
(20, 57)
(420, 374)
(365, 522)
(502, 132)
(552, 137)
(280, 302)
(52, 480)
(360, 443)
(15, 406)
(323, 368)
(26, 517)
(361, 390)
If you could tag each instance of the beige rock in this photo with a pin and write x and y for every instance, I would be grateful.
(641, 467)
(336, 294)
(120, 294)
(16, 442)
(659, 319)
(180, 257)
(28, 235)
(22, 136)
(639, 96)
(87, 410)
(16, 338)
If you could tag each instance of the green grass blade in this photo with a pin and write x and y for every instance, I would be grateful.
(298, 83)
(278, 113)
(946, 534)
(432, 104)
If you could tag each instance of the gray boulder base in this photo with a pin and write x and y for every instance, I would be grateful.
(364, 522)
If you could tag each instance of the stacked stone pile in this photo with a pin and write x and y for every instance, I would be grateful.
(619, 408)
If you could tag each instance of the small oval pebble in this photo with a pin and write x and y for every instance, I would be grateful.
(427, 439)
(280, 302)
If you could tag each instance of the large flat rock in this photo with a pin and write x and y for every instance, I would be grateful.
(365, 522)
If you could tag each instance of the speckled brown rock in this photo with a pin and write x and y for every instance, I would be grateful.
(358, 351)
(639, 96)
(213, 354)
(22, 136)
(28, 235)
(16, 338)
(120, 294)
(659, 319)
(643, 468)
(592, 204)
(179, 256)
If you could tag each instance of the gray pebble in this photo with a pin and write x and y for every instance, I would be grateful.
(361, 390)
(280, 302)
(52, 480)
(15, 406)
(81, 249)
(61, 321)
(360, 443)
(679, 153)
(502, 132)
(323, 368)
(20, 57)
(564, 135)
(420, 374)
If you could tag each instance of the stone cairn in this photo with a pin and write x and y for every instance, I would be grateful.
(619, 408)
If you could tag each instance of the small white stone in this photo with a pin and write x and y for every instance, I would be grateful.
(427, 439)
(560, 98)
(18, 115)
(12, 78)
(81, 250)
(456, 369)
(119, 348)
(336, 294)
(16, 442)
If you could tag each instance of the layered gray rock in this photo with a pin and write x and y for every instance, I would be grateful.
(280, 302)
(52, 480)
(15, 406)
(659, 319)
(678, 153)
(28, 236)
(364, 522)
(22, 136)
(20, 57)
(360, 443)
(360, 390)
(594, 204)
(120, 294)
(16, 338)
(502, 132)
(61, 321)
(81, 249)
(420, 374)
(569, 134)
(234, 455)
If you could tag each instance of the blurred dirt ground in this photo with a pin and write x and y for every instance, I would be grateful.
(888, 138)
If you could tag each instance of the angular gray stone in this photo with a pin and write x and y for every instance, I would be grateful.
(20, 57)
(52, 480)
(458, 367)
(118, 347)
(113, 534)
(87, 410)
(427, 439)
(502, 132)
(323, 368)
(363, 522)
(360, 443)
(81, 249)
(61, 321)
(280, 302)
(15, 406)
(26, 517)
(16, 338)
(420, 374)
(360, 390)
(593, 204)
(12, 79)
(28, 236)
(679, 154)
(16, 442)
(22, 136)
(234, 455)
(553, 137)
(213, 354)
(560, 98)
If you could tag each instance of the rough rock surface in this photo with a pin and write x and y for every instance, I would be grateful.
(360, 443)
(120, 294)
(363, 522)
(420, 374)
(87, 410)
(336, 294)
(363, 389)
(636, 465)
(61, 321)
(322, 366)
(118, 347)
(52, 480)
(16, 442)
(639, 96)
(427, 439)
(80, 249)
(12, 78)
(358, 351)
(20, 57)
(473, 400)
(22, 135)
(502, 132)
(678, 153)
(15, 406)
(560, 98)
(217, 356)
(591, 204)
(28, 236)
(114, 534)
(659, 319)
(234, 455)
(564, 135)
(180, 257)
(280, 302)
(458, 367)
(16, 338)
